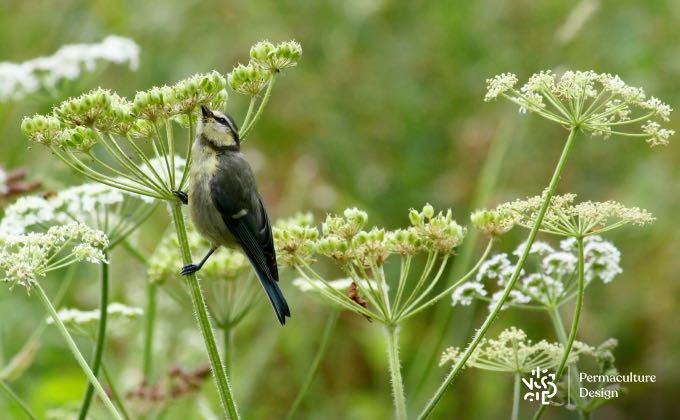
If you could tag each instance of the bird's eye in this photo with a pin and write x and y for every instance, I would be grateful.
(221, 120)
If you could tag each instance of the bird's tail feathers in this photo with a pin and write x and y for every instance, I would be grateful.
(275, 296)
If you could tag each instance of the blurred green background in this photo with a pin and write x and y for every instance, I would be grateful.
(385, 113)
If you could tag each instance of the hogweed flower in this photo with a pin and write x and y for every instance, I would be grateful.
(552, 282)
(114, 212)
(85, 323)
(27, 257)
(18, 80)
(597, 103)
(511, 352)
(492, 223)
(103, 136)
(275, 58)
(295, 239)
(566, 218)
(363, 254)
(227, 274)
(248, 80)
(266, 62)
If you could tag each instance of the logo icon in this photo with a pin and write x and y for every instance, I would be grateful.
(541, 385)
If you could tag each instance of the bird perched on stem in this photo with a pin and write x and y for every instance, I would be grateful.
(226, 207)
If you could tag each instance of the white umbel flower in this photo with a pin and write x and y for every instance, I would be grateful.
(20, 79)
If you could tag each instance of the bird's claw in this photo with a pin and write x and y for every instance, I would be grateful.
(189, 268)
(183, 197)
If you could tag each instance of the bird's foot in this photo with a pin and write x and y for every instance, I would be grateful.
(189, 268)
(183, 197)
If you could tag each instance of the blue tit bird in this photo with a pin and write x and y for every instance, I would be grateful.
(225, 205)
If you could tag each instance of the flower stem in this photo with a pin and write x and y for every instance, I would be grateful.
(101, 337)
(314, 368)
(201, 312)
(568, 342)
(228, 338)
(115, 395)
(76, 353)
(392, 338)
(267, 94)
(419, 371)
(552, 186)
(14, 397)
(515, 396)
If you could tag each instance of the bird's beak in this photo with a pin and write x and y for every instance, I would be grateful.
(205, 111)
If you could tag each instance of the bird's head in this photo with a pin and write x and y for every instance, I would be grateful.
(218, 128)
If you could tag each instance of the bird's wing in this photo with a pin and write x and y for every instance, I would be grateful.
(247, 219)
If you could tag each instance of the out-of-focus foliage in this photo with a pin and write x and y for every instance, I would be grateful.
(384, 112)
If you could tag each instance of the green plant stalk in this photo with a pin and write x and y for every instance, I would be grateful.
(394, 364)
(115, 395)
(14, 397)
(568, 342)
(267, 94)
(150, 314)
(515, 396)
(151, 293)
(76, 353)
(316, 363)
(552, 186)
(228, 337)
(201, 312)
(443, 315)
(101, 338)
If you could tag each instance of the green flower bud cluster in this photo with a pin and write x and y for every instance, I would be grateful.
(440, 233)
(295, 239)
(182, 98)
(344, 240)
(99, 108)
(265, 60)
(492, 223)
(79, 138)
(41, 129)
(248, 80)
(225, 264)
(76, 121)
(276, 57)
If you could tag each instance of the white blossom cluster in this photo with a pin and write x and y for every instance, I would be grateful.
(26, 257)
(511, 352)
(597, 103)
(554, 279)
(86, 322)
(20, 79)
(107, 209)
(564, 217)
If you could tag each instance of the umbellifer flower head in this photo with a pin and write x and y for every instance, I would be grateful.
(493, 223)
(248, 80)
(552, 282)
(597, 103)
(275, 58)
(511, 352)
(24, 258)
(565, 218)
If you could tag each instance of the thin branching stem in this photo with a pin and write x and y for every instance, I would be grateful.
(76, 353)
(101, 337)
(552, 187)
